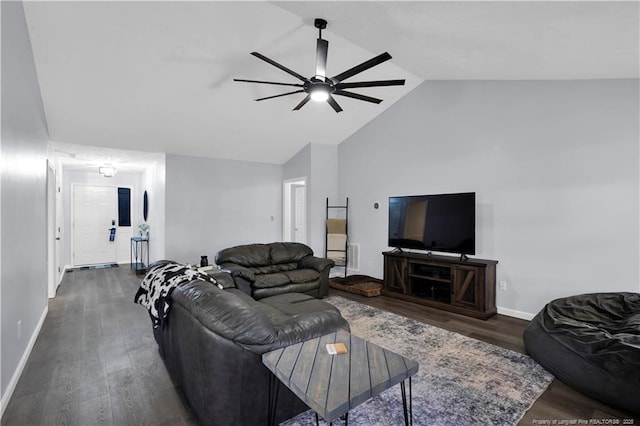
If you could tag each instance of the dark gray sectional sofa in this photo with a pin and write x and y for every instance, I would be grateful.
(213, 340)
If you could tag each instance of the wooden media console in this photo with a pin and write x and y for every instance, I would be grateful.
(466, 287)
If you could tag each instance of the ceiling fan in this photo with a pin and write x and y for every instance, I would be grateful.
(321, 88)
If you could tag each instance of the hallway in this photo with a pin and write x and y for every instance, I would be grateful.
(95, 360)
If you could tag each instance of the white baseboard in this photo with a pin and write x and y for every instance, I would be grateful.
(23, 361)
(516, 314)
(64, 270)
(61, 277)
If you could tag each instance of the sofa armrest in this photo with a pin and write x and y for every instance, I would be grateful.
(239, 271)
(223, 278)
(317, 263)
(321, 265)
(225, 313)
(228, 315)
(309, 326)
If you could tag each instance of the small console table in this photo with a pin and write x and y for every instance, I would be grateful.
(331, 385)
(466, 287)
(139, 253)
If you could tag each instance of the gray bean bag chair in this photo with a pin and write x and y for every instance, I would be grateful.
(592, 343)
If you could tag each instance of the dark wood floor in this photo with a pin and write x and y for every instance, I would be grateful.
(95, 361)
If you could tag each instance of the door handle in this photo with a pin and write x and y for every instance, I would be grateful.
(57, 238)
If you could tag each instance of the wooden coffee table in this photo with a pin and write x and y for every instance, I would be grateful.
(331, 385)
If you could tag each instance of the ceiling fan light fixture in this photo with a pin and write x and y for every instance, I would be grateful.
(319, 94)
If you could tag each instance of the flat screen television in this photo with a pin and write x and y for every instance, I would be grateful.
(443, 222)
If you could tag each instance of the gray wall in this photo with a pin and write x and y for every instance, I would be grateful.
(324, 183)
(23, 230)
(154, 183)
(299, 165)
(212, 204)
(319, 164)
(554, 166)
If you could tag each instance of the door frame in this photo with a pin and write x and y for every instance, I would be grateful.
(288, 217)
(53, 237)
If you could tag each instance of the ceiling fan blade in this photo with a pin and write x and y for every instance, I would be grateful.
(362, 67)
(302, 103)
(322, 48)
(267, 82)
(377, 83)
(282, 94)
(333, 104)
(357, 96)
(277, 65)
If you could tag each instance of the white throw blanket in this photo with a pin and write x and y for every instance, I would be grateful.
(158, 284)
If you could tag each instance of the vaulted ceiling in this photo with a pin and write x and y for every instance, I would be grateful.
(157, 76)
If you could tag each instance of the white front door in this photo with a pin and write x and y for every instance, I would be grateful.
(94, 214)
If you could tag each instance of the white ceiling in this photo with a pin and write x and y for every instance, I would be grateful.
(157, 76)
(87, 158)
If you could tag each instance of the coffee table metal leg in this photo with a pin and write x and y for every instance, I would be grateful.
(403, 390)
(274, 387)
(410, 404)
(344, 417)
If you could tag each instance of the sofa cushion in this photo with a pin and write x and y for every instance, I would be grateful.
(302, 275)
(297, 303)
(271, 280)
(247, 255)
(289, 252)
(260, 293)
(274, 314)
(257, 255)
(297, 276)
(277, 267)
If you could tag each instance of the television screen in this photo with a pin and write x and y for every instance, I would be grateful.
(443, 222)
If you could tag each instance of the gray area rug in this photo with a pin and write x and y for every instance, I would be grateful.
(461, 381)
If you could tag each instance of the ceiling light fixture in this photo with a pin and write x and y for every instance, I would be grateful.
(107, 171)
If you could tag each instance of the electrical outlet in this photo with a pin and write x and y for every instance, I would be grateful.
(19, 329)
(502, 285)
(370, 264)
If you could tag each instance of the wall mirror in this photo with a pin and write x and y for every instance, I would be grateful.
(145, 206)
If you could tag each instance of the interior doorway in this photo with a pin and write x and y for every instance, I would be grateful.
(295, 210)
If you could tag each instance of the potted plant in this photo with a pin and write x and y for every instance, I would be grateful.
(144, 230)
